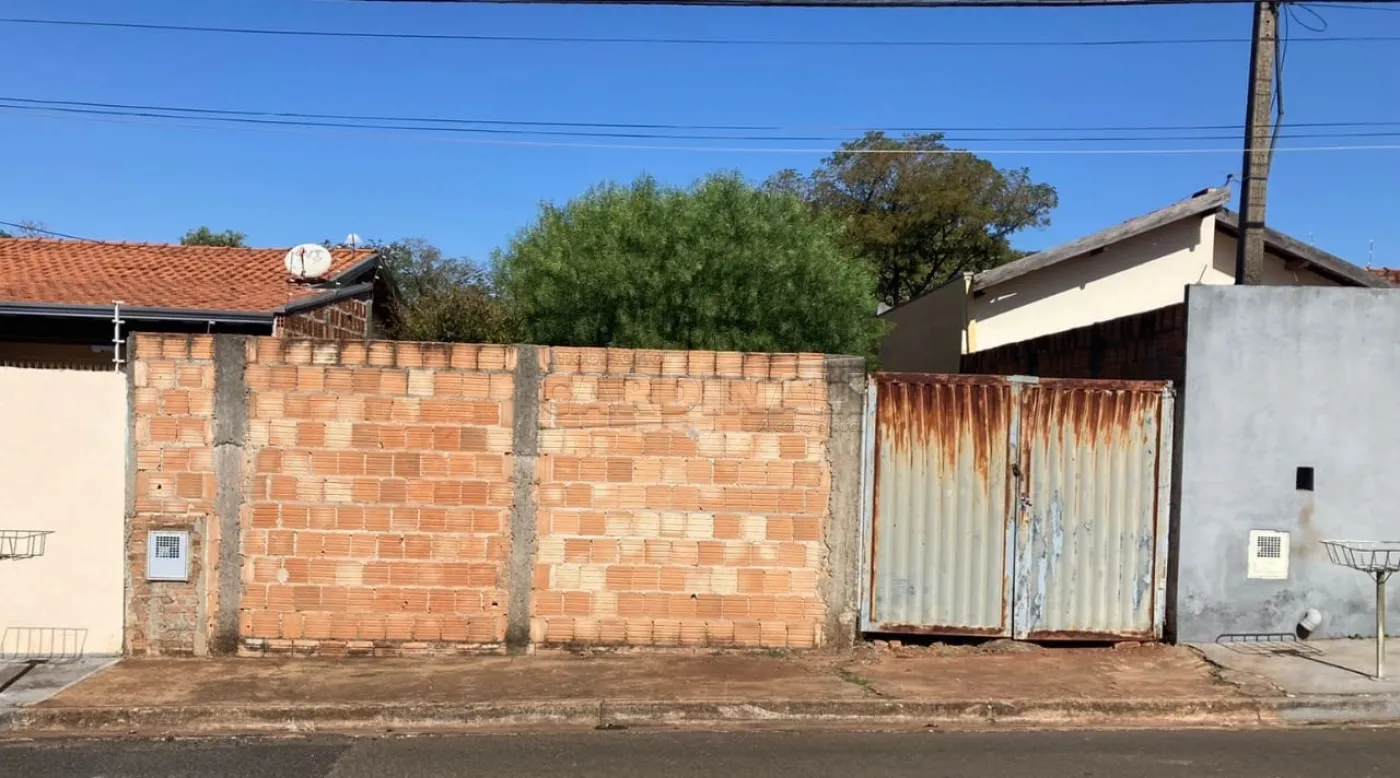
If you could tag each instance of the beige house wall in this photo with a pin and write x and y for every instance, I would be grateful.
(1276, 272)
(1140, 274)
(1143, 273)
(63, 468)
(928, 334)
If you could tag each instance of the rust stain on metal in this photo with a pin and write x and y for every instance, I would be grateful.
(1103, 384)
(951, 562)
(934, 629)
(1092, 413)
(945, 413)
(1090, 636)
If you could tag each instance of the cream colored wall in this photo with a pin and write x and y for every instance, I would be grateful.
(63, 468)
(1276, 272)
(1142, 273)
(927, 334)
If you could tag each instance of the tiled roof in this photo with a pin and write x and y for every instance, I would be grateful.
(1388, 273)
(158, 275)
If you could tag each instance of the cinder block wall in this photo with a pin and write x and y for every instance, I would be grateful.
(389, 498)
(1145, 346)
(378, 494)
(682, 498)
(343, 320)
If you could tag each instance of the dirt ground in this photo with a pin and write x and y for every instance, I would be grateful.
(940, 673)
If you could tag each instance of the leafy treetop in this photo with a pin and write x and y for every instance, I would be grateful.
(920, 212)
(720, 265)
(203, 236)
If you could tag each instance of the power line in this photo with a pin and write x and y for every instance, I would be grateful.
(853, 3)
(573, 39)
(523, 127)
(32, 228)
(650, 147)
(1380, 5)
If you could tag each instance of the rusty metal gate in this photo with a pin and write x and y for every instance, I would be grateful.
(1017, 507)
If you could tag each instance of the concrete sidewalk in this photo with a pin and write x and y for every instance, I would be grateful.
(1322, 679)
(1002, 684)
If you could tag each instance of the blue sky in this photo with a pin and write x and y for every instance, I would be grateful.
(150, 180)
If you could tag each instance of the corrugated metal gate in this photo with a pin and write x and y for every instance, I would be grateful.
(1017, 507)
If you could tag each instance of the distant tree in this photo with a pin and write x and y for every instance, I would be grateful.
(203, 236)
(721, 265)
(918, 211)
(441, 299)
(4, 234)
(29, 228)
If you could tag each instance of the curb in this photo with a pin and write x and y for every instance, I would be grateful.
(866, 714)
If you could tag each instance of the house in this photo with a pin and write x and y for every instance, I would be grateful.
(1131, 269)
(66, 307)
(65, 302)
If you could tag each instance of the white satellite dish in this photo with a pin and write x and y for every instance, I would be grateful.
(308, 261)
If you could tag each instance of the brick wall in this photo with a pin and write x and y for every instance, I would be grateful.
(173, 400)
(342, 320)
(682, 498)
(661, 498)
(1145, 346)
(379, 491)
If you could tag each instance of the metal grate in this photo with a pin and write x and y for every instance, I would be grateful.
(22, 543)
(1266, 643)
(1269, 547)
(42, 644)
(167, 547)
(1371, 556)
(1378, 559)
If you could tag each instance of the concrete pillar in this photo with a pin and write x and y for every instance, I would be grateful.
(845, 393)
(230, 419)
(525, 450)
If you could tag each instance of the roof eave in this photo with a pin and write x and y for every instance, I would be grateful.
(1196, 205)
(335, 295)
(1321, 262)
(134, 313)
(959, 277)
(356, 271)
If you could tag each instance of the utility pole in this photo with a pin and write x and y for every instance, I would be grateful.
(1254, 179)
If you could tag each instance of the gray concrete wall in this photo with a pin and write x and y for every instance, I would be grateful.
(845, 395)
(1278, 378)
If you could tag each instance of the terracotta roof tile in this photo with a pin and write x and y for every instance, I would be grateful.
(45, 270)
(1390, 274)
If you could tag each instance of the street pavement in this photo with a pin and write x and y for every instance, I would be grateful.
(635, 754)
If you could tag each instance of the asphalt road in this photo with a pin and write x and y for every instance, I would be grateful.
(1273, 754)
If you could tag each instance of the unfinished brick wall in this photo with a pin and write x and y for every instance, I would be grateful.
(681, 499)
(663, 498)
(1145, 346)
(342, 320)
(173, 399)
(378, 497)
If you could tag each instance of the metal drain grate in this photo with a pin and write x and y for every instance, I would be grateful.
(1267, 644)
(43, 644)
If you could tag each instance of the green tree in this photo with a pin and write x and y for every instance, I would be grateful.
(203, 236)
(721, 265)
(920, 212)
(441, 299)
(28, 228)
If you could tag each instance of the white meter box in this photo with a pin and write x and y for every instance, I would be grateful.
(168, 556)
(1268, 554)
